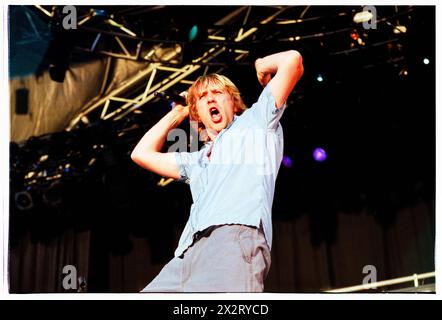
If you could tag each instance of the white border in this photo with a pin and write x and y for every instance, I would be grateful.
(4, 171)
(4, 150)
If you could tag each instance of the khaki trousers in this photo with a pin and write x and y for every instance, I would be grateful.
(226, 258)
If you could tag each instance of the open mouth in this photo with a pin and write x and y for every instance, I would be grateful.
(215, 115)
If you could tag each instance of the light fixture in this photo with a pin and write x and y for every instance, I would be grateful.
(399, 29)
(362, 16)
(193, 33)
(23, 200)
(319, 155)
(403, 72)
(43, 158)
(53, 195)
(287, 161)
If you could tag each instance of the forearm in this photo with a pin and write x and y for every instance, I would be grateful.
(272, 63)
(281, 71)
(155, 138)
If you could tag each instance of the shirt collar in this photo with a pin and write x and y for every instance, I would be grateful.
(231, 122)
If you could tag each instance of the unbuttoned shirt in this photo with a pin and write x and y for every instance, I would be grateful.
(237, 184)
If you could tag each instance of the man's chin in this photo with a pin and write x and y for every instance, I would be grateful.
(220, 126)
(213, 130)
(217, 126)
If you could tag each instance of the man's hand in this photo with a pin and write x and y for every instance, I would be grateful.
(182, 109)
(147, 152)
(263, 76)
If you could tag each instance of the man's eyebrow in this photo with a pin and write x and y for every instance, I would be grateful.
(206, 90)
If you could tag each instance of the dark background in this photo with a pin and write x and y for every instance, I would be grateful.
(370, 203)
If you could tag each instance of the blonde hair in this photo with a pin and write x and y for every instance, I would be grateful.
(216, 81)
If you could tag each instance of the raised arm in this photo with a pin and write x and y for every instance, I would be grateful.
(281, 71)
(147, 152)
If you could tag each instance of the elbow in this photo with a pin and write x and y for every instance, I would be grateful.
(294, 55)
(300, 69)
(143, 159)
(295, 61)
(136, 156)
(133, 155)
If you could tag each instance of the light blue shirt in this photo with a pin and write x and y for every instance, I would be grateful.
(237, 184)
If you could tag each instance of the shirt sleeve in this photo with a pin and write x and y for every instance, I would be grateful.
(265, 110)
(186, 162)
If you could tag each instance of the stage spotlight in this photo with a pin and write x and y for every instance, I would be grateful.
(362, 16)
(287, 161)
(403, 73)
(23, 200)
(319, 155)
(67, 168)
(426, 61)
(354, 35)
(100, 13)
(399, 29)
(193, 32)
(43, 158)
(356, 39)
(193, 37)
(53, 195)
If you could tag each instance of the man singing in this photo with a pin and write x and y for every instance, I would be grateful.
(225, 245)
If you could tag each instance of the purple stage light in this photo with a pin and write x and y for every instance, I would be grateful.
(319, 154)
(287, 161)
